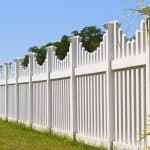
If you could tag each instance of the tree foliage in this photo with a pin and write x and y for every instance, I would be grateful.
(62, 47)
(91, 37)
(40, 55)
(140, 9)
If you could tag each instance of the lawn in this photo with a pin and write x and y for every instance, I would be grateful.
(19, 137)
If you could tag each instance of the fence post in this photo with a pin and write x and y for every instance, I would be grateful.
(7, 65)
(30, 113)
(49, 49)
(110, 82)
(74, 46)
(17, 61)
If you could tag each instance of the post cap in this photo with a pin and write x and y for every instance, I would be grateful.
(77, 37)
(31, 54)
(18, 59)
(50, 48)
(8, 63)
(110, 24)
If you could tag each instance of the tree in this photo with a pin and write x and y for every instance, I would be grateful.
(139, 8)
(62, 47)
(40, 57)
(91, 37)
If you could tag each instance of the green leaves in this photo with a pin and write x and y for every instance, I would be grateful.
(91, 38)
(62, 47)
(41, 55)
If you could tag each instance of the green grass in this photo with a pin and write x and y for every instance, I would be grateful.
(18, 137)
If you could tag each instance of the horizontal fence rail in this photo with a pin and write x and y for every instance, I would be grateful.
(101, 98)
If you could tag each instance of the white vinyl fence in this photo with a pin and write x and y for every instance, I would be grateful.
(101, 98)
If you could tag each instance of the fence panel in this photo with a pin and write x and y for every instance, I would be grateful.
(24, 102)
(130, 98)
(11, 102)
(61, 104)
(91, 106)
(40, 103)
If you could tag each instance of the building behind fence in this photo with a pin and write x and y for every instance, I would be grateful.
(101, 98)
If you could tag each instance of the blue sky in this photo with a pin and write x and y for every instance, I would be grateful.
(25, 23)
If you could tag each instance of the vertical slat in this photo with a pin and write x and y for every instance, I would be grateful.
(46, 104)
(98, 106)
(143, 35)
(88, 85)
(57, 102)
(85, 61)
(142, 103)
(91, 105)
(61, 107)
(94, 101)
(86, 106)
(128, 106)
(82, 56)
(133, 48)
(116, 39)
(138, 44)
(98, 55)
(65, 104)
(101, 52)
(53, 88)
(128, 48)
(105, 106)
(43, 106)
(80, 53)
(78, 109)
(138, 95)
(101, 106)
(119, 104)
(53, 121)
(82, 105)
(80, 129)
(120, 43)
(77, 55)
(116, 105)
(69, 116)
(124, 105)
(124, 40)
(42, 101)
(86, 58)
(68, 103)
(104, 47)
(39, 102)
(133, 104)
